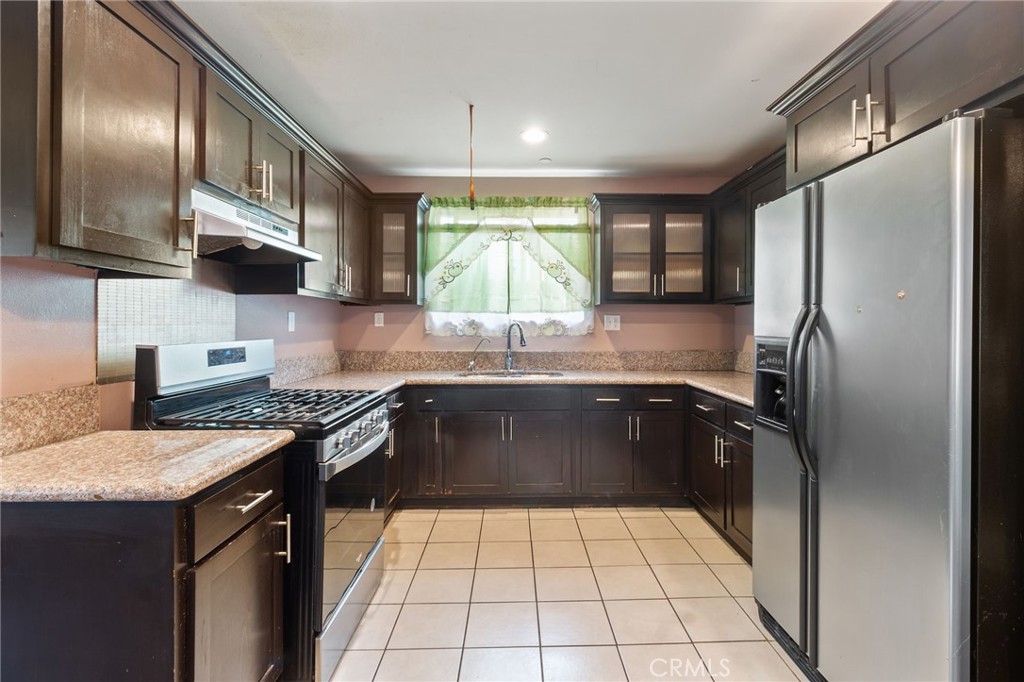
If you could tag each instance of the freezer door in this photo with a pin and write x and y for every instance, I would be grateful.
(890, 416)
(779, 524)
(780, 251)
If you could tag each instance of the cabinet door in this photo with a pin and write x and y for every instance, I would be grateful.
(540, 452)
(707, 476)
(826, 132)
(355, 245)
(237, 600)
(764, 189)
(281, 155)
(739, 463)
(393, 468)
(658, 453)
(607, 461)
(322, 200)
(629, 252)
(683, 264)
(394, 253)
(475, 461)
(124, 136)
(731, 247)
(231, 132)
(956, 53)
(425, 431)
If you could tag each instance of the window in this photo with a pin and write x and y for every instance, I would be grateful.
(512, 259)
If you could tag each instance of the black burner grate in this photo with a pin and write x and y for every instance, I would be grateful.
(275, 408)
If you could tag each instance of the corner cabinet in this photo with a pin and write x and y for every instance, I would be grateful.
(654, 248)
(735, 203)
(396, 247)
(98, 156)
(244, 154)
(906, 69)
(721, 457)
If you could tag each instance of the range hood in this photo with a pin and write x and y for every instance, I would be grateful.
(233, 234)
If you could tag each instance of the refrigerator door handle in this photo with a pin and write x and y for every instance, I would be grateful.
(800, 417)
(792, 383)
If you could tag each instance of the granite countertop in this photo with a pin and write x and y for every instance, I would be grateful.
(132, 466)
(735, 386)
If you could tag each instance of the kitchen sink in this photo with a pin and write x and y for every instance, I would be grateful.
(497, 373)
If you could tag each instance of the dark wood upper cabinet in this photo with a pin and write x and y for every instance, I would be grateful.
(911, 65)
(396, 249)
(321, 220)
(654, 248)
(116, 109)
(245, 154)
(735, 204)
(355, 246)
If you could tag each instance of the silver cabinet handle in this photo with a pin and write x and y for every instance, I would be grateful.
(408, 285)
(194, 248)
(737, 280)
(854, 137)
(270, 183)
(722, 458)
(659, 400)
(437, 431)
(391, 444)
(716, 449)
(350, 279)
(261, 191)
(395, 406)
(287, 523)
(246, 508)
(606, 400)
(638, 428)
(662, 284)
(630, 433)
(869, 105)
(511, 435)
(704, 408)
(654, 284)
(503, 428)
(744, 425)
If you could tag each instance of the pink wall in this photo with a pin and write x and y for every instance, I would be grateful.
(560, 187)
(644, 327)
(48, 326)
(743, 322)
(317, 323)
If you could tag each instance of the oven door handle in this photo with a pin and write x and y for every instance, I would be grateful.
(332, 467)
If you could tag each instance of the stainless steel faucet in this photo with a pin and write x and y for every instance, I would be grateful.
(476, 351)
(508, 343)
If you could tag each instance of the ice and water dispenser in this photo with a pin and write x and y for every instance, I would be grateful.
(770, 383)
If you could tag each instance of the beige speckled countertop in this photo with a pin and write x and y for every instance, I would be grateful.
(735, 386)
(132, 465)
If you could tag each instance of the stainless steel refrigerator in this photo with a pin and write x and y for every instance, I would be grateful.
(888, 446)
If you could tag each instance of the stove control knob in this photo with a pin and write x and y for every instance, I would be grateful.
(346, 440)
(366, 426)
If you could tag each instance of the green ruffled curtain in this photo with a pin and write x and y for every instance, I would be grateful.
(512, 259)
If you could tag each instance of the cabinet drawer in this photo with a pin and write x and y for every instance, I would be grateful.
(658, 398)
(219, 516)
(425, 400)
(739, 422)
(708, 408)
(500, 398)
(617, 398)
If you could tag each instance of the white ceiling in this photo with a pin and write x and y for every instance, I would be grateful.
(624, 88)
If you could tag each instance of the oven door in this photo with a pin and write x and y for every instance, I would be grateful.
(354, 512)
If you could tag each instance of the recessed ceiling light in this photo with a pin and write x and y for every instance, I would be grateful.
(544, 160)
(533, 135)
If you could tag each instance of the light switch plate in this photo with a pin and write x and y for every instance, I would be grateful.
(378, 319)
(291, 320)
(612, 323)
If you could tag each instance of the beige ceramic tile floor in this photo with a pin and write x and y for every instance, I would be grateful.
(562, 595)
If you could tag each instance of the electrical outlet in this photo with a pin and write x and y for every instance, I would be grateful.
(378, 319)
(291, 320)
(612, 323)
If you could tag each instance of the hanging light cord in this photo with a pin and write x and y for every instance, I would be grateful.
(472, 189)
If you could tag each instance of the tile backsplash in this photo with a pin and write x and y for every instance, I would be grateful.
(151, 311)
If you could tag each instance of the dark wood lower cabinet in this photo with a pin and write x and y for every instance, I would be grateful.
(658, 455)
(739, 463)
(707, 477)
(540, 447)
(238, 601)
(475, 459)
(423, 431)
(606, 464)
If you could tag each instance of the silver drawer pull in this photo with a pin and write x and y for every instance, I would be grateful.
(246, 508)
(606, 400)
(659, 400)
(744, 425)
(428, 401)
(395, 406)
(704, 408)
(287, 523)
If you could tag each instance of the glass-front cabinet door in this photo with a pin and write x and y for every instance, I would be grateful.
(397, 227)
(653, 250)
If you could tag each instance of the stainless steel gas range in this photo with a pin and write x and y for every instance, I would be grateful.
(334, 478)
